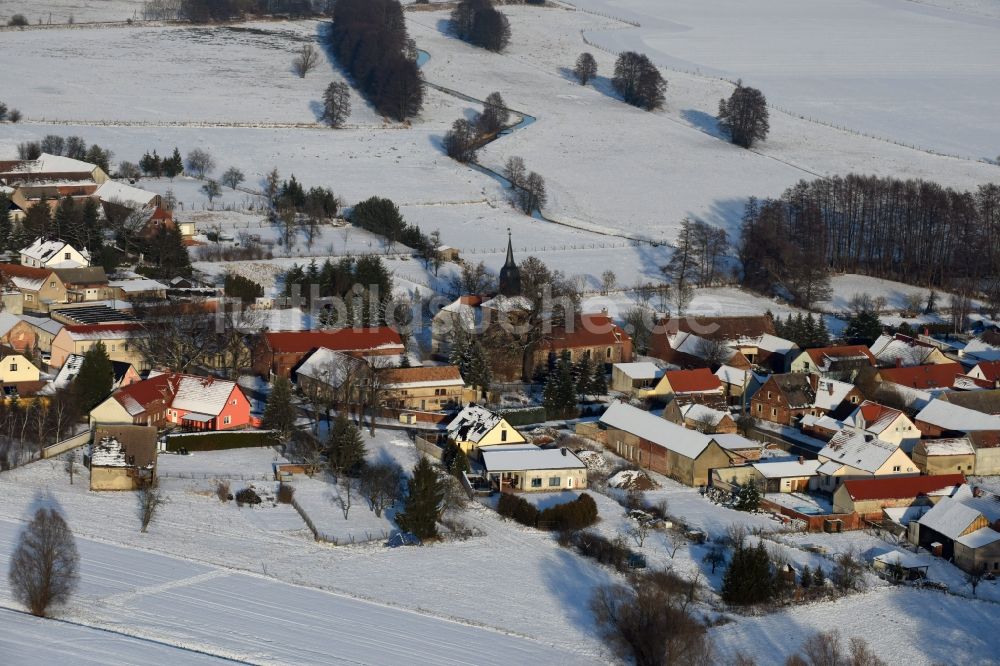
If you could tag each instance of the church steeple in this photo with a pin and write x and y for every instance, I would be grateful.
(510, 274)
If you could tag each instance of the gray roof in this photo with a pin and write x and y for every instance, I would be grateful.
(509, 460)
(661, 432)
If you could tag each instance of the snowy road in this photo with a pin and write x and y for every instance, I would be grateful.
(250, 618)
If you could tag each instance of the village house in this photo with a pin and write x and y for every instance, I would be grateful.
(476, 428)
(85, 284)
(122, 457)
(869, 497)
(923, 377)
(198, 403)
(986, 401)
(15, 368)
(855, 454)
(326, 375)
(786, 398)
(85, 314)
(739, 449)
(528, 468)
(888, 424)
(44, 329)
(902, 351)
(593, 336)
(39, 287)
(16, 333)
(962, 528)
(117, 340)
(770, 476)
(54, 253)
(692, 386)
(707, 420)
(708, 328)
(837, 362)
(124, 373)
(943, 456)
(657, 444)
(276, 354)
(425, 389)
(739, 385)
(49, 168)
(637, 379)
(683, 349)
(140, 289)
(940, 418)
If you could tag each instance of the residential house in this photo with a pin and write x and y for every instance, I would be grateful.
(711, 328)
(840, 362)
(986, 401)
(692, 386)
(770, 476)
(117, 340)
(54, 253)
(868, 497)
(855, 454)
(739, 384)
(44, 329)
(902, 351)
(476, 428)
(16, 333)
(198, 403)
(85, 284)
(593, 336)
(423, 388)
(39, 287)
(788, 397)
(687, 350)
(888, 424)
(962, 528)
(987, 445)
(50, 168)
(277, 354)
(707, 420)
(120, 200)
(766, 351)
(531, 469)
(657, 444)
(97, 312)
(142, 289)
(638, 379)
(122, 457)
(124, 373)
(940, 418)
(944, 456)
(15, 368)
(328, 375)
(739, 449)
(923, 377)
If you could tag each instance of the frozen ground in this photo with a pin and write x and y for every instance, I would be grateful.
(912, 72)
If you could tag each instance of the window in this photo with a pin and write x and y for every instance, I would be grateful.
(66, 255)
(233, 401)
(52, 284)
(760, 408)
(774, 412)
(29, 297)
(768, 395)
(503, 436)
(608, 353)
(896, 468)
(227, 420)
(13, 367)
(555, 481)
(854, 399)
(113, 348)
(536, 483)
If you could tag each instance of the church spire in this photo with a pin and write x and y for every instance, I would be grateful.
(510, 274)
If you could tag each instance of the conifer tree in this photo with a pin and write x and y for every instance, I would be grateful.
(94, 381)
(279, 413)
(584, 377)
(424, 495)
(599, 385)
(748, 498)
(5, 224)
(819, 578)
(345, 447)
(748, 579)
(805, 577)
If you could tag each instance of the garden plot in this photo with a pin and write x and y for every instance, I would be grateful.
(831, 60)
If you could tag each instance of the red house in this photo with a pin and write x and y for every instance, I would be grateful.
(279, 353)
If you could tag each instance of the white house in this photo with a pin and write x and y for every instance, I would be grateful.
(886, 423)
(54, 253)
(856, 454)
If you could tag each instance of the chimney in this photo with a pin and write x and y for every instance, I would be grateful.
(829, 388)
(899, 362)
(802, 461)
(927, 331)
(563, 451)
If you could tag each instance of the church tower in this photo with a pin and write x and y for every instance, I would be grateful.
(510, 274)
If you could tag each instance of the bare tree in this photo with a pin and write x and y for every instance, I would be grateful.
(336, 103)
(514, 171)
(71, 467)
(585, 69)
(826, 649)
(44, 568)
(232, 178)
(344, 495)
(380, 484)
(713, 352)
(306, 60)
(638, 532)
(200, 162)
(150, 500)
(532, 195)
(608, 281)
(211, 190)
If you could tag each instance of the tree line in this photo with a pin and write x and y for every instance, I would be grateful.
(73, 146)
(369, 39)
(479, 23)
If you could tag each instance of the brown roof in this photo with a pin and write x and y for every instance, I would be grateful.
(834, 353)
(991, 369)
(688, 381)
(342, 339)
(589, 330)
(434, 373)
(17, 270)
(720, 328)
(83, 276)
(941, 375)
(987, 402)
(136, 440)
(797, 389)
(901, 487)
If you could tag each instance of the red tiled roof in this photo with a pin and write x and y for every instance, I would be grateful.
(844, 351)
(991, 369)
(589, 330)
(688, 381)
(900, 487)
(342, 339)
(433, 373)
(100, 328)
(941, 375)
(873, 411)
(17, 270)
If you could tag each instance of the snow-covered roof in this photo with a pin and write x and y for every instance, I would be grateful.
(904, 514)
(528, 459)
(824, 422)
(68, 372)
(109, 452)
(502, 303)
(979, 350)
(26, 283)
(206, 395)
(873, 417)
(135, 286)
(47, 163)
(44, 323)
(858, 449)
(640, 370)
(768, 342)
(949, 416)
(829, 468)
(904, 559)
(727, 374)
(830, 393)
(734, 442)
(953, 515)
(7, 322)
(984, 536)
(473, 423)
(126, 195)
(43, 249)
(782, 469)
(905, 352)
(948, 447)
(703, 414)
(659, 431)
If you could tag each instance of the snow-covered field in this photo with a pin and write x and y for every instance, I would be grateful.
(81, 11)
(912, 72)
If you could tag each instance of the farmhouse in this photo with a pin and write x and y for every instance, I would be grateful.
(50, 168)
(476, 428)
(739, 384)
(942, 456)
(531, 469)
(902, 351)
(888, 424)
(924, 377)
(44, 329)
(771, 476)
(868, 497)
(198, 403)
(962, 528)
(639, 379)
(39, 287)
(85, 284)
(692, 386)
(593, 336)
(659, 445)
(115, 337)
(855, 454)
(940, 418)
(15, 368)
(707, 420)
(833, 361)
(122, 457)
(786, 398)
(276, 354)
(54, 253)
(431, 388)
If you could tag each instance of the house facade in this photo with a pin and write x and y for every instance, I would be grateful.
(53, 253)
(868, 497)
(527, 468)
(276, 354)
(476, 428)
(593, 336)
(117, 340)
(39, 287)
(855, 454)
(945, 456)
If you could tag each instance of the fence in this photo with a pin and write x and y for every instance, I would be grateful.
(829, 522)
(65, 445)
(429, 447)
(206, 476)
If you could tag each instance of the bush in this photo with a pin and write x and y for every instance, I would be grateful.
(285, 493)
(605, 551)
(525, 416)
(575, 515)
(222, 491)
(247, 496)
(220, 441)
(518, 509)
(17, 21)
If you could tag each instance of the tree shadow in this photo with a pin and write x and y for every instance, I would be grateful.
(444, 27)
(705, 122)
(572, 579)
(568, 74)
(317, 110)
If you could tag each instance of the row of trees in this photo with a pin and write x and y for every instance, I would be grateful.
(479, 23)
(806, 331)
(8, 114)
(699, 251)
(364, 283)
(567, 384)
(72, 146)
(369, 39)
(151, 164)
(203, 11)
(467, 136)
(528, 187)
